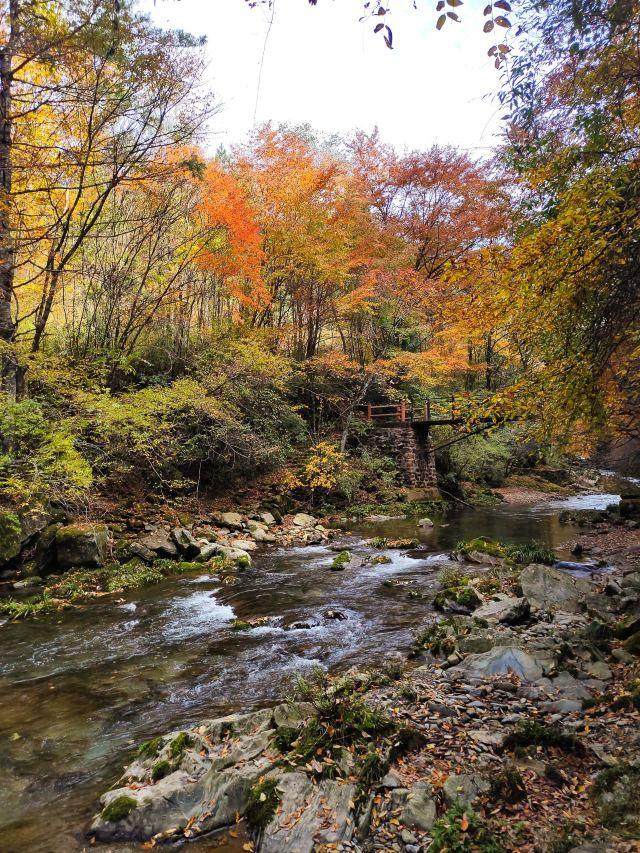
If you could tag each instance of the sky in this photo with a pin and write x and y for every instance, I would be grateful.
(323, 67)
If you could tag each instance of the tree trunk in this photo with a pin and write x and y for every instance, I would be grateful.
(7, 249)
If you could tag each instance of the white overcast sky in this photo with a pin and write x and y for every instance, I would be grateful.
(323, 67)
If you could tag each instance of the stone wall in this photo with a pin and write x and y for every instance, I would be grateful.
(413, 451)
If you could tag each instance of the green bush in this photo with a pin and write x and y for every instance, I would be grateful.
(461, 830)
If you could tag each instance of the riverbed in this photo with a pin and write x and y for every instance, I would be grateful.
(81, 689)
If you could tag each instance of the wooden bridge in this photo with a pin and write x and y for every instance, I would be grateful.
(403, 433)
(433, 412)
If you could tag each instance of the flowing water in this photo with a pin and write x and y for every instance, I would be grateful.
(80, 690)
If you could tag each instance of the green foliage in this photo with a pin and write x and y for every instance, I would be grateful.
(482, 545)
(461, 830)
(119, 808)
(616, 793)
(40, 457)
(263, 803)
(341, 718)
(530, 552)
(536, 733)
(27, 607)
(484, 458)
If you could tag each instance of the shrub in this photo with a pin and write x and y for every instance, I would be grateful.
(263, 803)
(460, 830)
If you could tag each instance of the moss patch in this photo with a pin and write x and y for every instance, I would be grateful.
(119, 808)
(179, 744)
(150, 748)
(264, 800)
(161, 769)
(340, 561)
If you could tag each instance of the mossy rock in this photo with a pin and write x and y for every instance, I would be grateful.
(263, 803)
(161, 769)
(616, 794)
(10, 536)
(82, 545)
(119, 808)
(340, 561)
(632, 644)
(179, 744)
(150, 748)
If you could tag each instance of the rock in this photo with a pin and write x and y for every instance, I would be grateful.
(632, 644)
(335, 614)
(302, 519)
(631, 581)
(565, 706)
(298, 626)
(419, 810)
(487, 737)
(18, 529)
(268, 518)
(207, 775)
(326, 819)
(137, 549)
(29, 582)
(500, 661)
(161, 544)
(208, 550)
(425, 522)
(185, 543)
(245, 544)
(509, 611)
(81, 545)
(236, 555)
(547, 588)
(231, 520)
(391, 780)
(46, 549)
(464, 788)
(565, 686)
(622, 656)
(599, 670)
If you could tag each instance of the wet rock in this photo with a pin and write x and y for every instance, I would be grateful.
(161, 544)
(299, 625)
(425, 522)
(550, 589)
(81, 545)
(335, 614)
(500, 661)
(28, 583)
(236, 555)
(185, 543)
(464, 787)
(245, 544)
(508, 610)
(419, 810)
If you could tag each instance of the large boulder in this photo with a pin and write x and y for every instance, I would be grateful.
(303, 519)
(231, 520)
(507, 610)
(207, 777)
(546, 588)
(81, 545)
(419, 811)
(464, 788)
(185, 543)
(17, 529)
(161, 544)
(500, 661)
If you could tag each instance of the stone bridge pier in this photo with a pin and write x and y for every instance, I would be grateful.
(412, 448)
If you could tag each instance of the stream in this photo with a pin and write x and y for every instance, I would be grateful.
(81, 689)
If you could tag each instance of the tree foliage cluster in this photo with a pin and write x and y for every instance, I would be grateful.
(184, 317)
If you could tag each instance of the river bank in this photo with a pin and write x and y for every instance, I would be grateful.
(139, 663)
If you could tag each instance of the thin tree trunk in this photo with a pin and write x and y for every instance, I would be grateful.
(7, 263)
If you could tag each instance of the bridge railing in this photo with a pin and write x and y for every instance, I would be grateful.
(440, 409)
